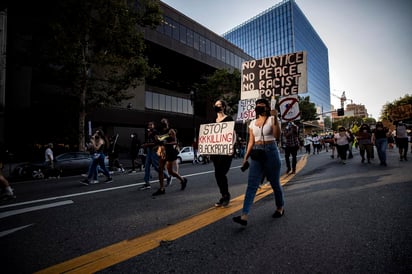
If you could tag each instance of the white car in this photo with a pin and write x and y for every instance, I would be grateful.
(186, 154)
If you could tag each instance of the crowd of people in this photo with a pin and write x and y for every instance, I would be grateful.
(267, 139)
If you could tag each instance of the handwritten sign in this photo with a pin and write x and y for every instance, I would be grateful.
(276, 76)
(246, 110)
(403, 112)
(289, 108)
(216, 138)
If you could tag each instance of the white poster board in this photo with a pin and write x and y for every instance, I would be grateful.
(217, 138)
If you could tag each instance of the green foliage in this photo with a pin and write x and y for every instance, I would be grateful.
(388, 107)
(222, 84)
(307, 109)
(95, 49)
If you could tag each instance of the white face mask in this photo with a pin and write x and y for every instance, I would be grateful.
(131, 136)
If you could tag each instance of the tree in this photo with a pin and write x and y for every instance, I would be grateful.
(95, 50)
(307, 109)
(222, 84)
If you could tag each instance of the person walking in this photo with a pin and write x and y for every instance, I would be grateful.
(167, 153)
(49, 156)
(342, 144)
(402, 141)
(364, 138)
(151, 158)
(380, 139)
(291, 146)
(222, 163)
(263, 133)
(307, 141)
(99, 144)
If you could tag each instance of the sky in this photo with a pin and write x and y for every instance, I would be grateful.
(369, 41)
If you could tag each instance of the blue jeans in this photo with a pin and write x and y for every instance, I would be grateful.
(96, 164)
(271, 168)
(152, 160)
(381, 145)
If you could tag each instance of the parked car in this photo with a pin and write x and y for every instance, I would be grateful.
(69, 163)
(186, 154)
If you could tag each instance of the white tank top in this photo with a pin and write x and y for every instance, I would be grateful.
(267, 130)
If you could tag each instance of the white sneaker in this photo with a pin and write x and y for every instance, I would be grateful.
(94, 182)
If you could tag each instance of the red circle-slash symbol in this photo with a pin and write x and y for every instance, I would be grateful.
(289, 106)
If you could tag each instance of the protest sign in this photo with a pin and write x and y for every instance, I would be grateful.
(276, 76)
(246, 110)
(216, 138)
(289, 108)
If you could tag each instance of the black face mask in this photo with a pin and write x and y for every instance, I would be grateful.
(260, 110)
(217, 109)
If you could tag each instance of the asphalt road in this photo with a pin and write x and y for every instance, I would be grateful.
(353, 218)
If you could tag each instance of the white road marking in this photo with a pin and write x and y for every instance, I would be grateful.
(10, 231)
(33, 208)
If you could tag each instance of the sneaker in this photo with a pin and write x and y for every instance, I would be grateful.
(109, 180)
(184, 183)
(94, 182)
(145, 186)
(226, 201)
(169, 181)
(159, 192)
(220, 203)
(85, 182)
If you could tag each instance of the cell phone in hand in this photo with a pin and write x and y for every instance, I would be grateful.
(244, 166)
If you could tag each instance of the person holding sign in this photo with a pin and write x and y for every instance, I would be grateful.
(264, 131)
(222, 163)
(167, 153)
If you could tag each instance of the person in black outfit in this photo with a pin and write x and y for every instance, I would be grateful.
(222, 163)
(167, 153)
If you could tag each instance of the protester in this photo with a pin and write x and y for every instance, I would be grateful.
(402, 141)
(49, 156)
(380, 139)
(166, 151)
(342, 144)
(99, 144)
(291, 146)
(151, 158)
(222, 163)
(263, 133)
(364, 138)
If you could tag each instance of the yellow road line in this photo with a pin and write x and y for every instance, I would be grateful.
(124, 250)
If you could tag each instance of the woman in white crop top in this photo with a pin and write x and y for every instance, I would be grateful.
(264, 131)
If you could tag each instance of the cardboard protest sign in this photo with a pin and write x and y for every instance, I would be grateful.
(246, 110)
(403, 112)
(283, 75)
(289, 108)
(216, 138)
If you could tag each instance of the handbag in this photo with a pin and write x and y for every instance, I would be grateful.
(259, 154)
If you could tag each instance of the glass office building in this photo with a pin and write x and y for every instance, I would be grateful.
(284, 29)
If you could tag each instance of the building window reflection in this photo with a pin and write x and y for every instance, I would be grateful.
(163, 102)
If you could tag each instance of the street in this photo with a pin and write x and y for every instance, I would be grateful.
(353, 218)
